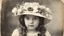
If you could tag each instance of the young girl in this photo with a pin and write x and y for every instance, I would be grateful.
(33, 17)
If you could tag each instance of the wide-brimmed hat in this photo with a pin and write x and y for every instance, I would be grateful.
(33, 8)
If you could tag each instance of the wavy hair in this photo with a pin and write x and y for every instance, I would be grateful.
(40, 27)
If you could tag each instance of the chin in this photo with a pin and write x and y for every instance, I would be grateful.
(31, 28)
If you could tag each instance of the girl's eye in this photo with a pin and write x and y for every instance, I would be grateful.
(27, 18)
(35, 18)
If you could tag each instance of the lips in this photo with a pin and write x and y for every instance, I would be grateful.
(31, 25)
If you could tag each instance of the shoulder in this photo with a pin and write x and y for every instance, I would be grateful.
(47, 33)
(15, 32)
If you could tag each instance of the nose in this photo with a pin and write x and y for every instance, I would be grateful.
(31, 21)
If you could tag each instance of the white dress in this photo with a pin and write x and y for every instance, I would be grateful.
(16, 33)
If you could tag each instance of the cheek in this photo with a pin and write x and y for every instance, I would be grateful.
(36, 23)
(26, 22)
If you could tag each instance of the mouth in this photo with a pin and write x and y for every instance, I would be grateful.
(31, 25)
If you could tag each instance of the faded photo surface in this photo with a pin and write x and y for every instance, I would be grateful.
(32, 18)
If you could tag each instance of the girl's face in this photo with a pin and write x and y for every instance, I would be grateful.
(31, 22)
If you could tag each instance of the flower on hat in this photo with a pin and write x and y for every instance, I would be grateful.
(14, 11)
(31, 6)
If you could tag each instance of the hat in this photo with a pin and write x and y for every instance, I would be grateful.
(33, 8)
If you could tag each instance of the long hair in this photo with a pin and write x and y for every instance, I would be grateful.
(39, 28)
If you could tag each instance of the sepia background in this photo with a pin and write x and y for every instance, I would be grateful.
(9, 23)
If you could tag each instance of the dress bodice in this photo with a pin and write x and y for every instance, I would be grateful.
(16, 33)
